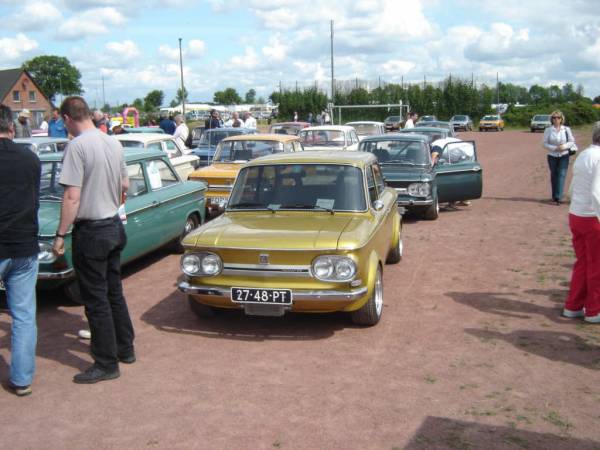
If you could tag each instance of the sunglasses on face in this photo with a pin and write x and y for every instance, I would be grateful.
(555, 117)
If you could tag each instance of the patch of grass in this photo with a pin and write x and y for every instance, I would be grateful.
(555, 419)
(514, 269)
(517, 440)
(277, 444)
(456, 441)
(480, 413)
(521, 418)
(463, 387)
(429, 379)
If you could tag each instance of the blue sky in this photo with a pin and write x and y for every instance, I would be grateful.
(256, 43)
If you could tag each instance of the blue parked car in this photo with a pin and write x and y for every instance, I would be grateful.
(210, 139)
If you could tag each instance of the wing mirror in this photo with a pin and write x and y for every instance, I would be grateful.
(378, 205)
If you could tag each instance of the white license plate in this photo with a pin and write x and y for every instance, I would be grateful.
(261, 296)
(2, 288)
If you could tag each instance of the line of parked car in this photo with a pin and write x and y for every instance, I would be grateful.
(303, 219)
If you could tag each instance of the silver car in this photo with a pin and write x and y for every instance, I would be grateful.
(540, 122)
(43, 144)
(461, 122)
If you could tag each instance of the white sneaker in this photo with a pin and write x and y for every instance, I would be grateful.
(573, 314)
(85, 334)
(593, 319)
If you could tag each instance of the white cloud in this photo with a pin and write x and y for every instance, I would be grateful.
(592, 54)
(168, 52)
(248, 61)
(90, 23)
(196, 48)
(125, 50)
(276, 51)
(14, 49)
(396, 68)
(34, 16)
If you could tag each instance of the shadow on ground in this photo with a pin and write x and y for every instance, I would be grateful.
(539, 201)
(442, 433)
(173, 315)
(501, 303)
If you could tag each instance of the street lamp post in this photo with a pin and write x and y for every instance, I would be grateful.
(181, 70)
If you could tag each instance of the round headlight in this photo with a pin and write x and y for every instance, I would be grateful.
(46, 255)
(345, 269)
(419, 189)
(190, 264)
(323, 268)
(211, 264)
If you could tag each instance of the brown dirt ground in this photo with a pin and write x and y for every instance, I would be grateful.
(471, 352)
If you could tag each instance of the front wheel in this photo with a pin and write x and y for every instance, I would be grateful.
(433, 211)
(395, 254)
(370, 313)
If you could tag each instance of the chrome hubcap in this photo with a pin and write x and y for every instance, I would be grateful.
(189, 226)
(400, 246)
(378, 294)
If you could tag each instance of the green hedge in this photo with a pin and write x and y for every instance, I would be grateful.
(577, 113)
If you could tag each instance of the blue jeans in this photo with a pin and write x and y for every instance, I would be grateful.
(20, 276)
(558, 174)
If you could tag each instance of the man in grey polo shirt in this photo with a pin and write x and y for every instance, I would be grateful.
(94, 176)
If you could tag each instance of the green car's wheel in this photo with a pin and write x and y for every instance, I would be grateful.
(191, 223)
(72, 292)
(202, 311)
(433, 211)
(395, 254)
(370, 313)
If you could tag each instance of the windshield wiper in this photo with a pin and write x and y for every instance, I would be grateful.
(251, 205)
(50, 197)
(300, 206)
(399, 161)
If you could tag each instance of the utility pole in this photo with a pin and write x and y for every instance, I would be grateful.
(103, 93)
(497, 93)
(181, 70)
(332, 82)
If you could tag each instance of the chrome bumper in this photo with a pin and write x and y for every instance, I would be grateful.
(415, 202)
(56, 275)
(297, 295)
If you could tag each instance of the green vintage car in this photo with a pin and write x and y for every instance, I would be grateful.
(302, 232)
(161, 209)
(405, 160)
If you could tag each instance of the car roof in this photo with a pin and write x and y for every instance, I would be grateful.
(359, 159)
(364, 122)
(330, 128)
(131, 154)
(399, 137)
(262, 137)
(290, 123)
(208, 130)
(423, 129)
(143, 137)
(39, 140)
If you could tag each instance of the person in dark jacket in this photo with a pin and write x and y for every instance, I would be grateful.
(167, 124)
(213, 121)
(20, 173)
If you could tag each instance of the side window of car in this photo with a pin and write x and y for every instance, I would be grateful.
(60, 146)
(354, 137)
(172, 149)
(297, 146)
(137, 182)
(379, 182)
(160, 174)
(371, 185)
(287, 148)
(155, 146)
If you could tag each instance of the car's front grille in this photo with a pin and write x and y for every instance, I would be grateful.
(266, 270)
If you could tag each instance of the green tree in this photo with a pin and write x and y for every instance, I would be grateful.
(54, 75)
(180, 97)
(153, 100)
(227, 97)
(138, 104)
(250, 96)
(596, 99)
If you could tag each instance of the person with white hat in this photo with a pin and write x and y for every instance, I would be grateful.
(22, 127)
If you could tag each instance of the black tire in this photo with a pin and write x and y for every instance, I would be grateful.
(72, 292)
(371, 312)
(191, 223)
(480, 130)
(201, 310)
(433, 211)
(533, 130)
(395, 254)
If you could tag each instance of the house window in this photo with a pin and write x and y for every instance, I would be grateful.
(16, 96)
(32, 98)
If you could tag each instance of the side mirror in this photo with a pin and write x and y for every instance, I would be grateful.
(378, 205)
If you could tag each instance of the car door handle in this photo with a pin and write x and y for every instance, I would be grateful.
(476, 169)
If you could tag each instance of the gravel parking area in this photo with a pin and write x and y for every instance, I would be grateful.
(471, 352)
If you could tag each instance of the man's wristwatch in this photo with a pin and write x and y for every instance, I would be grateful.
(58, 235)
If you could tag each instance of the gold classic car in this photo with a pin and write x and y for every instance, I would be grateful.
(302, 232)
(491, 122)
(230, 155)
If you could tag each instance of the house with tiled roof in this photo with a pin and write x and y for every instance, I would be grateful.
(19, 91)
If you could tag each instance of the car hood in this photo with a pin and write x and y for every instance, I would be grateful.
(48, 217)
(323, 148)
(218, 170)
(404, 173)
(284, 230)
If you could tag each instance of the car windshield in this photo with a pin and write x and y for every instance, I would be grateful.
(542, 118)
(427, 119)
(230, 151)
(286, 129)
(490, 118)
(393, 119)
(459, 118)
(327, 187)
(211, 137)
(329, 138)
(366, 129)
(132, 144)
(412, 153)
(50, 189)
